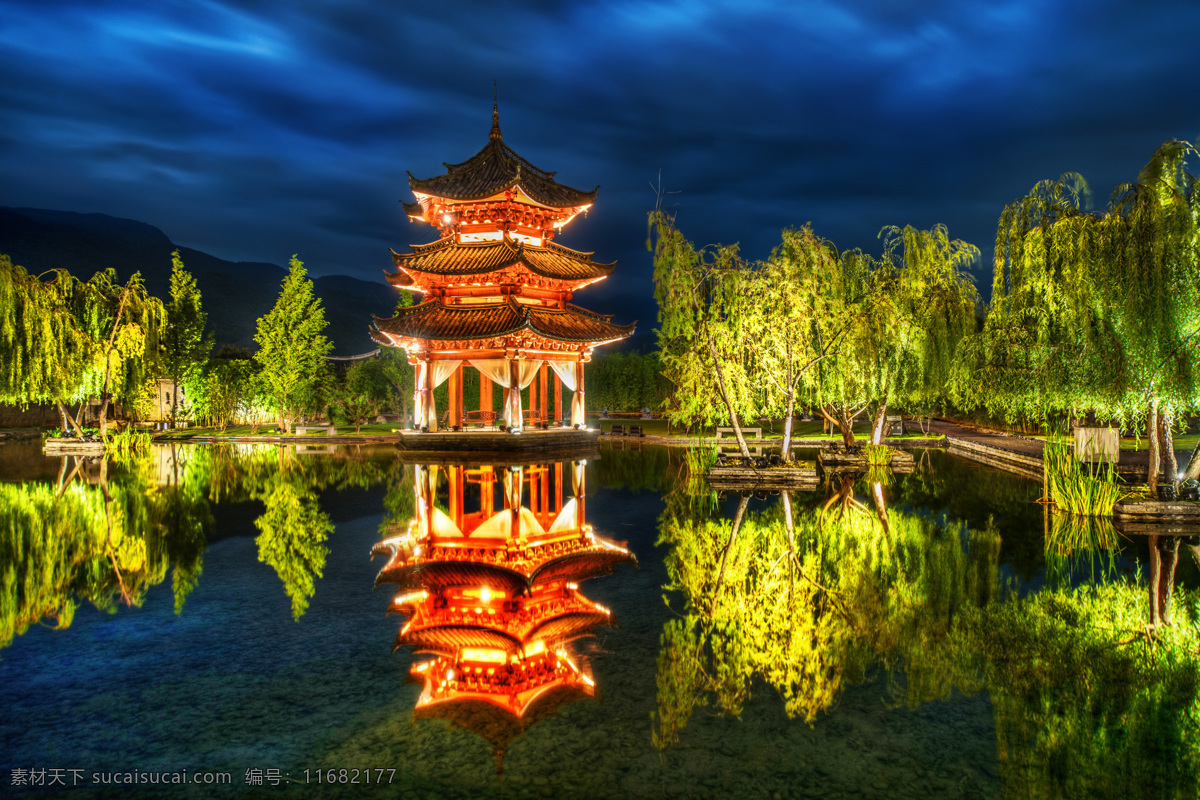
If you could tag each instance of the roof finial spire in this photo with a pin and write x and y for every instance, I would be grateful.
(495, 134)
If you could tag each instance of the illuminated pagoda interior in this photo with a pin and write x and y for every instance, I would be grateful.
(497, 290)
(493, 593)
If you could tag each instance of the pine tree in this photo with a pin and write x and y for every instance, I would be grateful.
(185, 348)
(292, 347)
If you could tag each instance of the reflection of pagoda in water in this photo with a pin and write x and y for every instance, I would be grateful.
(493, 593)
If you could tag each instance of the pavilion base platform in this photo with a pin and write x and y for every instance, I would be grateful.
(561, 441)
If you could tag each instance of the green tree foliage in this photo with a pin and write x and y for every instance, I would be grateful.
(809, 603)
(805, 301)
(185, 347)
(1094, 311)
(293, 530)
(105, 545)
(64, 340)
(1087, 704)
(930, 304)
(704, 345)
(227, 388)
(622, 381)
(362, 391)
(292, 348)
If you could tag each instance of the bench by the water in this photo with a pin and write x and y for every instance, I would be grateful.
(727, 438)
(618, 429)
(300, 430)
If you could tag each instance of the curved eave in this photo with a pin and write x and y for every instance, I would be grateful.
(567, 627)
(497, 168)
(433, 321)
(492, 256)
(449, 638)
(414, 210)
(582, 565)
(443, 574)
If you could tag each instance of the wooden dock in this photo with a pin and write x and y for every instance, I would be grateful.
(801, 476)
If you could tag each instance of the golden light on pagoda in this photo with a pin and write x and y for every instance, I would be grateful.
(497, 215)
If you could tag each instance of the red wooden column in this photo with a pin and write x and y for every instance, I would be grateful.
(485, 393)
(487, 492)
(533, 397)
(557, 398)
(457, 479)
(558, 487)
(455, 397)
(542, 380)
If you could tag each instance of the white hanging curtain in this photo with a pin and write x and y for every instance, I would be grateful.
(578, 473)
(496, 369)
(526, 372)
(419, 395)
(529, 371)
(565, 520)
(565, 370)
(439, 372)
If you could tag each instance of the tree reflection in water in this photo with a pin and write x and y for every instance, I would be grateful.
(1094, 688)
(105, 532)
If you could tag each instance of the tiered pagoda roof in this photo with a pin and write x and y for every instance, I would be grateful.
(481, 617)
(512, 684)
(433, 321)
(497, 214)
(495, 172)
(490, 172)
(472, 261)
(511, 567)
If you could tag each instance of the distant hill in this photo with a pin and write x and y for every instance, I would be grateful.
(235, 294)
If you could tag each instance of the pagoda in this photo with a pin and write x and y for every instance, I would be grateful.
(493, 594)
(497, 290)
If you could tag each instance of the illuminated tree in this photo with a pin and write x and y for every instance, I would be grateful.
(798, 318)
(185, 348)
(292, 348)
(703, 341)
(933, 306)
(1095, 311)
(64, 340)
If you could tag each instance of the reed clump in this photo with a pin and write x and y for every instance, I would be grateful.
(1079, 488)
(127, 441)
(877, 455)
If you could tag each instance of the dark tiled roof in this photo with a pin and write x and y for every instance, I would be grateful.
(432, 320)
(494, 169)
(447, 257)
(413, 209)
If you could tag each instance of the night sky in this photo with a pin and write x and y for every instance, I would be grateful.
(255, 130)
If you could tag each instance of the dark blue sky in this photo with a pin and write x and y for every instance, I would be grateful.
(254, 130)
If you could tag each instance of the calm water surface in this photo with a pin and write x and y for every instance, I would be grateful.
(214, 611)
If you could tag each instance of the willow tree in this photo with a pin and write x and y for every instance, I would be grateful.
(1095, 311)
(798, 317)
(935, 304)
(809, 603)
(63, 340)
(41, 351)
(859, 309)
(704, 345)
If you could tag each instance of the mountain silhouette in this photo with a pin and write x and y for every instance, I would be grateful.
(235, 294)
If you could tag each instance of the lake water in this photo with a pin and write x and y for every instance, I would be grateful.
(210, 614)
